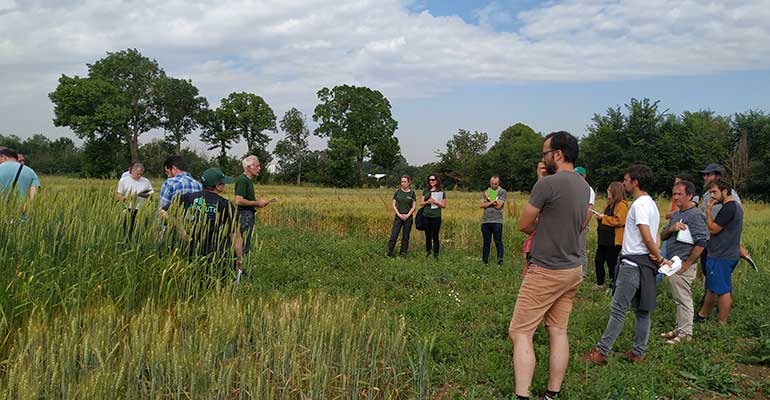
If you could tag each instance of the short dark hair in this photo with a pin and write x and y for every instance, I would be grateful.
(175, 161)
(568, 144)
(9, 153)
(722, 185)
(640, 173)
(689, 187)
(409, 178)
(438, 181)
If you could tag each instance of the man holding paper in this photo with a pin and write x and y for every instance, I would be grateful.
(492, 202)
(685, 235)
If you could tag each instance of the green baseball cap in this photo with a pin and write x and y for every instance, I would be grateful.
(214, 176)
(580, 171)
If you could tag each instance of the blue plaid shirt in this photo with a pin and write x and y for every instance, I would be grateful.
(180, 184)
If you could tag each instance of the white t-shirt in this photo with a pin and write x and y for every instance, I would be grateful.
(129, 187)
(592, 196)
(643, 211)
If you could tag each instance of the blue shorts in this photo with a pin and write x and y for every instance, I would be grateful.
(719, 275)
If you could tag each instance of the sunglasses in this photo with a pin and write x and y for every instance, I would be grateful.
(431, 179)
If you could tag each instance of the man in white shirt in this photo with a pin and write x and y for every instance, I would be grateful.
(635, 279)
(134, 190)
(584, 232)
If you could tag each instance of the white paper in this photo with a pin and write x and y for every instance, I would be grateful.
(685, 236)
(676, 265)
(438, 196)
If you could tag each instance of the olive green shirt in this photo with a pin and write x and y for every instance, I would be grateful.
(244, 187)
(431, 212)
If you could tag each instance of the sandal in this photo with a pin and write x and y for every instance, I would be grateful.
(670, 335)
(680, 339)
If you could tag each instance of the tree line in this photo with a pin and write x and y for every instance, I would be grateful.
(125, 95)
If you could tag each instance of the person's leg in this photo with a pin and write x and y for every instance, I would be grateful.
(394, 230)
(406, 233)
(523, 362)
(725, 303)
(641, 332)
(558, 358)
(612, 262)
(428, 235)
(681, 293)
(247, 230)
(709, 299)
(436, 243)
(486, 236)
(627, 285)
(497, 232)
(600, 258)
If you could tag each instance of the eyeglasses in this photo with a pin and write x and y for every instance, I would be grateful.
(432, 179)
(549, 151)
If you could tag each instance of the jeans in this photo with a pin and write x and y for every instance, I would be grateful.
(626, 287)
(246, 223)
(398, 226)
(432, 226)
(605, 255)
(487, 230)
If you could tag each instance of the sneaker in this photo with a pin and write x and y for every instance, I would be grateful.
(598, 288)
(680, 339)
(630, 356)
(500, 262)
(697, 318)
(595, 357)
(669, 335)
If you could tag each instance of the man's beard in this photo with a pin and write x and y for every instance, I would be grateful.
(550, 167)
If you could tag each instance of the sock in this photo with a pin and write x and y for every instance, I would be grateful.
(519, 397)
(550, 395)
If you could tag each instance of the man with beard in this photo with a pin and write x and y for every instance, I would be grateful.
(635, 277)
(723, 250)
(556, 211)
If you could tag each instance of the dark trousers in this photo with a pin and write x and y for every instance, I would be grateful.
(487, 231)
(432, 226)
(398, 226)
(246, 222)
(129, 221)
(606, 255)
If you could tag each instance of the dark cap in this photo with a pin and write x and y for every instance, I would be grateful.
(711, 168)
(214, 176)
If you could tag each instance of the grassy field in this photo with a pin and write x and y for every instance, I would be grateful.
(323, 313)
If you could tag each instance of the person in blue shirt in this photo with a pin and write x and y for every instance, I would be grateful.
(27, 183)
(179, 181)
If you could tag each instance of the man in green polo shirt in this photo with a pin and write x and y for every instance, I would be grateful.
(246, 200)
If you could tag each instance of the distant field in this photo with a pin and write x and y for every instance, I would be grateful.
(323, 313)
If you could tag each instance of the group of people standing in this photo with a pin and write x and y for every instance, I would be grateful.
(555, 217)
(209, 222)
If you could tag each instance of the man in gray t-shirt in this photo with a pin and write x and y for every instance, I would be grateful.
(492, 202)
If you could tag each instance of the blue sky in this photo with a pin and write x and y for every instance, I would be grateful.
(444, 65)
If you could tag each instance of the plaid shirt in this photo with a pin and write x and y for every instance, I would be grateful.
(180, 184)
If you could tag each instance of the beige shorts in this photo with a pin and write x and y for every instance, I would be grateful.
(545, 294)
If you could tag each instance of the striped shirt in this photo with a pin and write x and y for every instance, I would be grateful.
(180, 184)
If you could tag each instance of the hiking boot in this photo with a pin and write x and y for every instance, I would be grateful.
(630, 356)
(595, 357)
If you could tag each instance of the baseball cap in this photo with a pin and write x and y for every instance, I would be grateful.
(711, 168)
(214, 176)
(580, 171)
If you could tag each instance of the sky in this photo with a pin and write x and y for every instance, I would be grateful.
(444, 65)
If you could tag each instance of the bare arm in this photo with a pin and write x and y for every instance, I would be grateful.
(713, 228)
(692, 259)
(259, 203)
(652, 246)
(528, 219)
(395, 208)
(589, 214)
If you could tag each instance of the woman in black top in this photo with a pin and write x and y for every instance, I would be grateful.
(435, 200)
(610, 232)
(404, 200)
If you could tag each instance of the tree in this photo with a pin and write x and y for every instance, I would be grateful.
(217, 134)
(117, 99)
(179, 108)
(361, 118)
(754, 125)
(460, 162)
(340, 166)
(248, 115)
(514, 157)
(294, 147)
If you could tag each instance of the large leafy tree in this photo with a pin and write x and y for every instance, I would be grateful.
(293, 149)
(514, 157)
(461, 163)
(116, 102)
(753, 128)
(360, 117)
(217, 133)
(179, 108)
(249, 116)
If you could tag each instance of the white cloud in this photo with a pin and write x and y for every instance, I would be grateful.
(286, 50)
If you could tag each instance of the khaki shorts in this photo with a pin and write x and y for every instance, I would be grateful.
(545, 294)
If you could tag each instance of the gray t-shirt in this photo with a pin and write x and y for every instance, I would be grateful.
(491, 214)
(726, 244)
(696, 223)
(715, 209)
(563, 202)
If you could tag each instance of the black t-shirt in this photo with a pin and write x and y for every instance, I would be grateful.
(209, 218)
(605, 233)
(726, 244)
